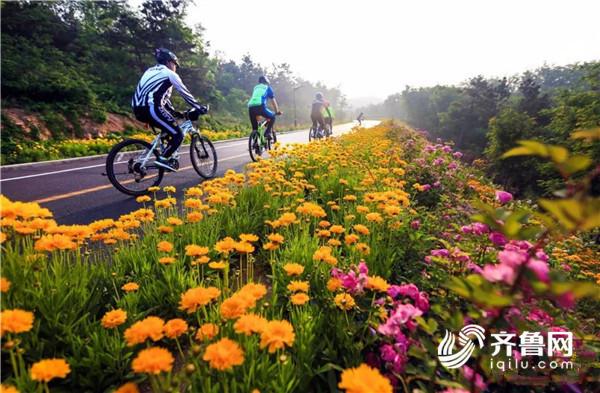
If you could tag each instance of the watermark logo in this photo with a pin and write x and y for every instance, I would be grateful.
(446, 354)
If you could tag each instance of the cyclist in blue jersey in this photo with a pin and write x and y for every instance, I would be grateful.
(257, 105)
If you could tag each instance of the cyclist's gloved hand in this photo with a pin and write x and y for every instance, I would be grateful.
(279, 113)
(178, 115)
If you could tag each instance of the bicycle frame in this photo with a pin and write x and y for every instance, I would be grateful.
(187, 127)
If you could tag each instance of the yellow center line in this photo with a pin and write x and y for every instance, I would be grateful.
(99, 188)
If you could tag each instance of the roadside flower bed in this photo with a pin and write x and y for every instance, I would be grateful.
(33, 151)
(334, 266)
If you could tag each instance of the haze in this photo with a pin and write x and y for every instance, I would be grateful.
(374, 48)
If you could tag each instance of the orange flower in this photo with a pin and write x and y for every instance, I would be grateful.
(166, 260)
(4, 284)
(2, 237)
(377, 283)
(324, 233)
(244, 248)
(175, 327)
(276, 335)
(249, 323)
(114, 318)
(235, 306)
(363, 230)
(129, 387)
(8, 389)
(55, 242)
(198, 297)
(174, 221)
(337, 229)
(207, 331)
(344, 301)
(224, 354)
(363, 248)
(47, 369)
(293, 269)
(334, 242)
(364, 379)
(225, 246)
(270, 246)
(298, 286)
(130, 287)
(201, 261)
(255, 291)
(193, 250)
(351, 239)
(194, 216)
(15, 321)
(153, 360)
(218, 265)
(148, 328)
(334, 284)
(165, 229)
(276, 238)
(324, 224)
(164, 246)
(374, 217)
(299, 299)
(248, 238)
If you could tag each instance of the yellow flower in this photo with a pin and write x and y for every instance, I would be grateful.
(153, 189)
(198, 297)
(8, 389)
(311, 209)
(377, 283)
(164, 246)
(148, 328)
(363, 248)
(55, 242)
(193, 203)
(207, 332)
(15, 321)
(153, 360)
(299, 299)
(143, 198)
(170, 189)
(174, 221)
(193, 250)
(114, 318)
(344, 301)
(130, 287)
(364, 379)
(4, 284)
(175, 327)
(224, 354)
(334, 242)
(48, 369)
(276, 335)
(249, 323)
(351, 238)
(194, 191)
(298, 286)
(362, 209)
(129, 387)
(293, 269)
(244, 247)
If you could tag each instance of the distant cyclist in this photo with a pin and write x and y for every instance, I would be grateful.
(328, 117)
(257, 105)
(151, 102)
(360, 118)
(316, 113)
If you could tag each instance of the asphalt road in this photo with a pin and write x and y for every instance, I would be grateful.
(77, 192)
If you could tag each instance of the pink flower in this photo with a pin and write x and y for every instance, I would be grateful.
(457, 154)
(540, 316)
(497, 238)
(566, 300)
(416, 224)
(479, 228)
(471, 375)
(398, 318)
(540, 269)
(503, 196)
(499, 273)
(511, 258)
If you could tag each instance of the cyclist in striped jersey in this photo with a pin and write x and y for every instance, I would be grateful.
(151, 102)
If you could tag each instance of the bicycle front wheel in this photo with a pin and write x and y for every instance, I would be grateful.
(204, 156)
(254, 147)
(130, 167)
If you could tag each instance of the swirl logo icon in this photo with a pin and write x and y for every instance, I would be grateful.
(466, 336)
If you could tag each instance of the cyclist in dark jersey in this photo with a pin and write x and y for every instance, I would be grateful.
(257, 105)
(316, 113)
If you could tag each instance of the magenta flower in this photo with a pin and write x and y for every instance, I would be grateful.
(416, 224)
(497, 238)
(503, 196)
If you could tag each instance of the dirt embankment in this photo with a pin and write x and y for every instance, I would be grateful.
(30, 121)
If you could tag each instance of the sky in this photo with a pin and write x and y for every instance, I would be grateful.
(373, 48)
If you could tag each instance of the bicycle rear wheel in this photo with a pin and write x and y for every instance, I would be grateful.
(254, 147)
(311, 134)
(125, 170)
(204, 156)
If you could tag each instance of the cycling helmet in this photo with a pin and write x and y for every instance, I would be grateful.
(164, 55)
(263, 79)
(319, 96)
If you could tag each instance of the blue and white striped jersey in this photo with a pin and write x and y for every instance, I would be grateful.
(156, 85)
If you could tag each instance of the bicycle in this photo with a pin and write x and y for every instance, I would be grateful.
(258, 143)
(319, 132)
(138, 157)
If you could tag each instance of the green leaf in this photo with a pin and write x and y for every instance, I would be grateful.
(568, 212)
(517, 151)
(459, 287)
